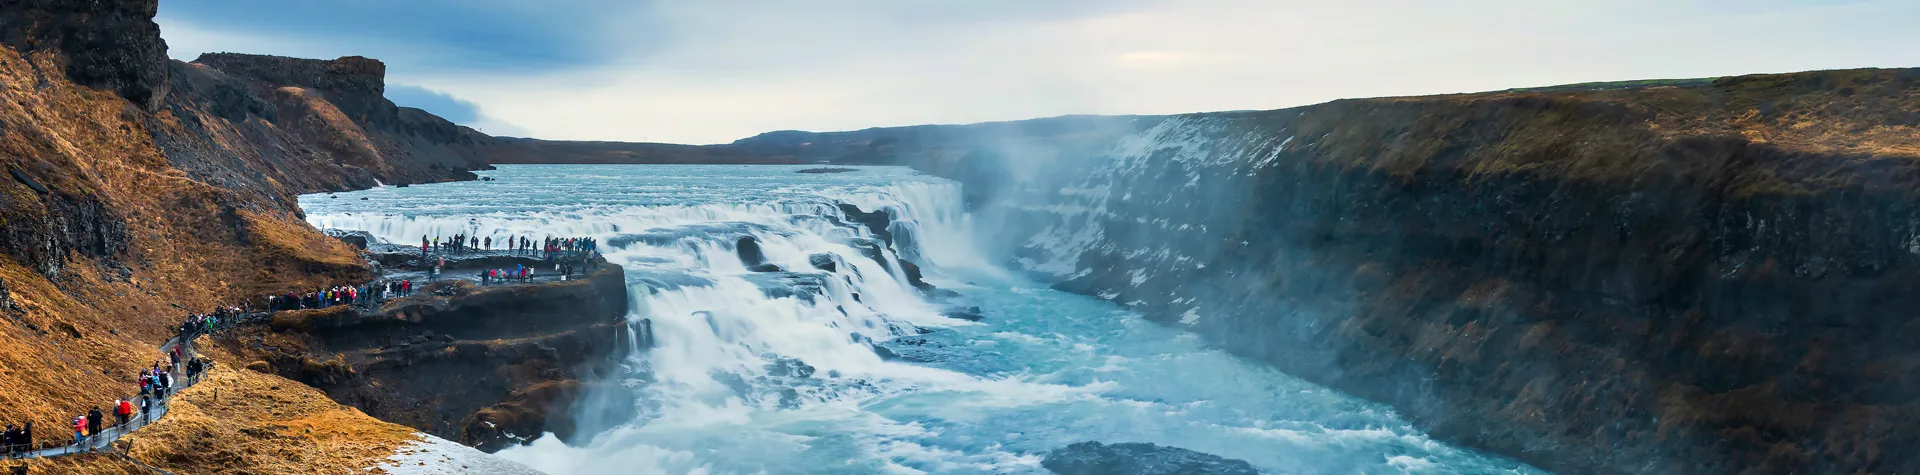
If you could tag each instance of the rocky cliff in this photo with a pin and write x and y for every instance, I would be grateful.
(1711, 278)
(485, 366)
(138, 189)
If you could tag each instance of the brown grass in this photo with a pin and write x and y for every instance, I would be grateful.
(239, 421)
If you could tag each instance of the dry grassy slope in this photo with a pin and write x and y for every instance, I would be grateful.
(241, 422)
(1618, 134)
(130, 216)
(79, 333)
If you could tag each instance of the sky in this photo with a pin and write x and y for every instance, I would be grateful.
(713, 71)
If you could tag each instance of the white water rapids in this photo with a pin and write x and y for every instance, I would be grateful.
(725, 388)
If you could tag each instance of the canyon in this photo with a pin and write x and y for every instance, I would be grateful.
(1699, 277)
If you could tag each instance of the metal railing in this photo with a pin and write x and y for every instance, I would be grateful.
(64, 445)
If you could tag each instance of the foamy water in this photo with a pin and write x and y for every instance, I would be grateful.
(719, 392)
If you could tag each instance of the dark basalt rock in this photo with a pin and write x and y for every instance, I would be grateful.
(971, 314)
(749, 250)
(826, 170)
(873, 250)
(765, 268)
(876, 222)
(108, 44)
(359, 239)
(6, 298)
(823, 262)
(25, 179)
(914, 278)
(444, 349)
(1094, 458)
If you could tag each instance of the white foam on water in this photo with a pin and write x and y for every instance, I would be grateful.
(436, 456)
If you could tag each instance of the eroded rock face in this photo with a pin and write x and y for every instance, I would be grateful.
(487, 366)
(108, 44)
(1094, 458)
(355, 84)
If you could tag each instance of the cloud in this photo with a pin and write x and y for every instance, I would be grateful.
(469, 35)
(717, 70)
(439, 103)
(459, 111)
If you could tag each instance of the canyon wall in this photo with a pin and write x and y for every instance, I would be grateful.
(1715, 278)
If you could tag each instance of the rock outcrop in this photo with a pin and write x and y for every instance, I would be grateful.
(105, 44)
(1094, 458)
(485, 366)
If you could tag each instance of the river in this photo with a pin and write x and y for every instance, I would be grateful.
(757, 372)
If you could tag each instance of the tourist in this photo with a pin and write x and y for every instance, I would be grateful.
(7, 440)
(123, 410)
(80, 430)
(487, 244)
(146, 409)
(93, 420)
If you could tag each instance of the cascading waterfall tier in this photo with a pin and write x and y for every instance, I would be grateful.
(780, 323)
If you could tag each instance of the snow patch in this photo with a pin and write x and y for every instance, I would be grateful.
(436, 456)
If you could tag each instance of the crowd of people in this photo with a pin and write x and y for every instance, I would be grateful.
(364, 295)
(551, 247)
(157, 383)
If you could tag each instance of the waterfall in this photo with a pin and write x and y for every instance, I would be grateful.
(734, 367)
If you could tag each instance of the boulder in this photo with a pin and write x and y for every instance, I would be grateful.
(876, 222)
(749, 250)
(823, 261)
(914, 278)
(971, 314)
(1094, 458)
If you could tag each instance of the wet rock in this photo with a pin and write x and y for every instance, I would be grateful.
(643, 333)
(885, 354)
(765, 268)
(358, 239)
(971, 314)
(1094, 458)
(826, 170)
(779, 284)
(823, 261)
(790, 367)
(789, 398)
(873, 250)
(914, 277)
(749, 250)
(876, 222)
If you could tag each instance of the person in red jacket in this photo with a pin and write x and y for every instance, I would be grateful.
(123, 411)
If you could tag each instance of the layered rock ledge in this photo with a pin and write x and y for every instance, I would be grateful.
(487, 366)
